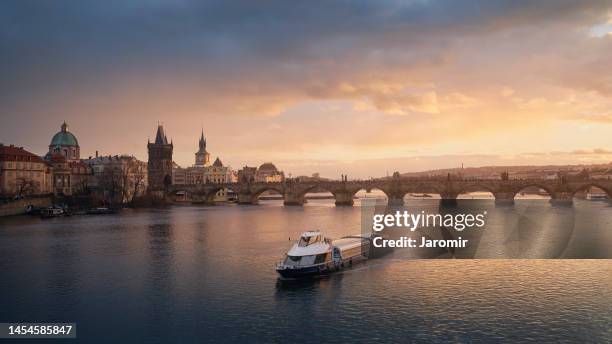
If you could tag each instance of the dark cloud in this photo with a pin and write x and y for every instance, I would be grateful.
(42, 40)
(134, 62)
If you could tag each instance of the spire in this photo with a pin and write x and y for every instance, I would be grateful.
(64, 127)
(160, 138)
(202, 142)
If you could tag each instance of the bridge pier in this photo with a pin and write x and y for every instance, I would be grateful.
(293, 199)
(449, 199)
(504, 198)
(344, 199)
(562, 198)
(247, 199)
(395, 201)
(209, 202)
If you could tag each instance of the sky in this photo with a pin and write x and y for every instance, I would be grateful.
(362, 88)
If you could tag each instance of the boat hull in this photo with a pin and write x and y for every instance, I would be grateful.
(309, 271)
(327, 268)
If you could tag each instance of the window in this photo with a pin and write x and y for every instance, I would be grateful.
(299, 260)
(305, 241)
(293, 259)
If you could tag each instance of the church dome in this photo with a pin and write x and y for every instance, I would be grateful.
(64, 138)
(267, 167)
(218, 163)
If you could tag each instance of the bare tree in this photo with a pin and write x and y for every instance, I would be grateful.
(80, 186)
(122, 180)
(110, 184)
(138, 178)
(26, 186)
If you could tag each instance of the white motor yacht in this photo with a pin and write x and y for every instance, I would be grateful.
(314, 254)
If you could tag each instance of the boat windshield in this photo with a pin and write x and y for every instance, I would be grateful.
(300, 260)
(305, 241)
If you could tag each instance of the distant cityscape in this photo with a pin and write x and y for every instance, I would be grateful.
(595, 171)
(121, 179)
(114, 179)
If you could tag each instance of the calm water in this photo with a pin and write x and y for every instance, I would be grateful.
(206, 274)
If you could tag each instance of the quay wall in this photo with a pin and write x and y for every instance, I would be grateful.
(19, 207)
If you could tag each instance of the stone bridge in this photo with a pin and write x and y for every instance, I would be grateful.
(293, 191)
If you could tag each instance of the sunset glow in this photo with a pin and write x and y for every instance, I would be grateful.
(415, 85)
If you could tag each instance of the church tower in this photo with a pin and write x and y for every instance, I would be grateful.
(159, 167)
(202, 157)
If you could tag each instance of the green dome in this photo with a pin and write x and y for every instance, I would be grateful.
(64, 138)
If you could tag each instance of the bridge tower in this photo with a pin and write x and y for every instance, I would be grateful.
(159, 167)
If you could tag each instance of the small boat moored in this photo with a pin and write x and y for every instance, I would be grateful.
(53, 211)
(33, 210)
(101, 210)
(315, 255)
(595, 196)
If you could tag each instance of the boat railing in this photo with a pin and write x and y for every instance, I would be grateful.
(357, 237)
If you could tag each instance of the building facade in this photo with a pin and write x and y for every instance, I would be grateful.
(61, 171)
(159, 167)
(70, 175)
(23, 173)
(247, 174)
(203, 172)
(268, 173)
(118, 179)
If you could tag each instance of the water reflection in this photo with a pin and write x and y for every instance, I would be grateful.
(194, 274)
(63, 274)
(160, 283)
(530, 229)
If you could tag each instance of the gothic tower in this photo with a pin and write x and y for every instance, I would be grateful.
(160, 164)
(202, 157)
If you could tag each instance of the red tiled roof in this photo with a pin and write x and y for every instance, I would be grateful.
(12, 153)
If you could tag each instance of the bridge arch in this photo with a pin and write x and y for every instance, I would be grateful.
(212, 193)
(588, 185)
(370, 189)
(261, 189)
(549, 190)
(424, 189)
(319, 186)
(477, 187)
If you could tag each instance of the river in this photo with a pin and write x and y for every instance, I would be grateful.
(188, 274)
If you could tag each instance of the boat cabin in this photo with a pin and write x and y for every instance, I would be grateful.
(312, 248)
(310, 238)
